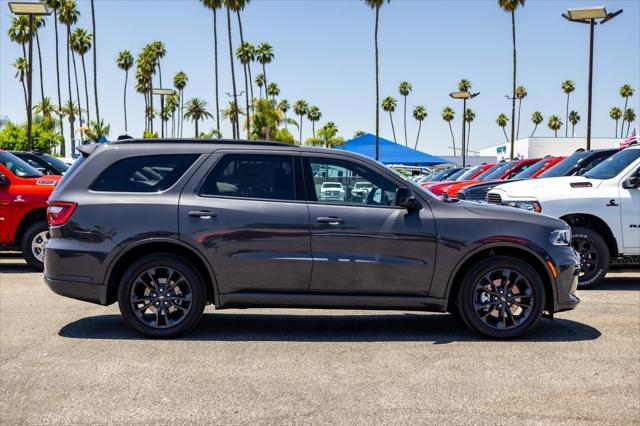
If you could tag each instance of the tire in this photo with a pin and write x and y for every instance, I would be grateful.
(161, 296)
(488, 315)
(594, 256)
(32, 244)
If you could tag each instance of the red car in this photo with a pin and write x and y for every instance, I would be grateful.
(471, 173)
(501, 171)
(24, 192)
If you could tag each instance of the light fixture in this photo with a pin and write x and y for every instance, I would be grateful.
(29, 8)
(581, 13)
(159, 91)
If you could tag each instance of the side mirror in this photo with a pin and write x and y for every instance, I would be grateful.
(407, 199)
(4, 180)
(631, 183)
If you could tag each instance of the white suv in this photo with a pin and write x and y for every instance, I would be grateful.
(602, 207)
(332, 191)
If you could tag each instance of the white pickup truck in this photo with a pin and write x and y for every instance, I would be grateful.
(602, 207)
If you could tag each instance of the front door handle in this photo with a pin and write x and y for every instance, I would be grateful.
(202, 214)
(331, 220)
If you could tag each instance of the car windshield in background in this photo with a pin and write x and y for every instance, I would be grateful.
(469, 173)
(438, 176)
(56, 162)
(455, 175)
(499, 171)
(531, 170)
(487, 172)
(612, 166)
(563, 167)
(17, 166)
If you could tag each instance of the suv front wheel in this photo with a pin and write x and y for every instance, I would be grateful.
(501, 297)
(161, 296)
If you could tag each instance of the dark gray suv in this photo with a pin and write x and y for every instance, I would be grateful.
(165, 227)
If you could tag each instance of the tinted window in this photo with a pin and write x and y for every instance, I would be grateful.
(613, 165)
(57, 163)
(499, 171)
(532, 169)
(252, 176)
(517, 170)
(469, 173)
(564, 167)
(17, 166)
(454, 176)
(152, 173)
(487, 172)
(344, 182)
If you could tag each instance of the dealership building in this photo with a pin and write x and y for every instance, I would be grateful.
(540, 147)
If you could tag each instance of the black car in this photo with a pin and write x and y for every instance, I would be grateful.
(165, 227)
(44, 163)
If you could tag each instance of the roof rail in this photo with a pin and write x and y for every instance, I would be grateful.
(206, 141)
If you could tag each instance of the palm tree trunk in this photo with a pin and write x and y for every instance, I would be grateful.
(406, 143)
(75, 73)
(40, 66)
(556, 132)
(628, 128)
(95, 66)
(301, 117)
(126, 78)
(393, 129)
(246, 83)
(236, 128)
(313, 128)
(248, 65)
(151, 111)
(215, 65)
(63, 150)
(181, 116)
(418, 135)
(86, 89)
(26, 101)
(196, 121)
(55, 22)
(507, 138)
(73, 130)
(469, 137)
(518, 129)
(566, 118)
(375, 38)
(616, 129)
(513, 95)
(534, 130)
(573, 131)
(623, 110)
(453, 139)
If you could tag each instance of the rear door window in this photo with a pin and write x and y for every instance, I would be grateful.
(150, 173)
(259, 176)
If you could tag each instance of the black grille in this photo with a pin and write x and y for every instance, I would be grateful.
(494, 198)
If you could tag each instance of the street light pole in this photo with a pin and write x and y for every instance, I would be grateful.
(592, 25)
(29, 87)
(464, 128)
(162, 93)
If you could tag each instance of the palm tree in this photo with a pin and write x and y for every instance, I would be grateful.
(404, 89)
(300, 108)
(273, 90)
(419, 113)
(264, 55)
(22, 68)
(260, 82)
(626, 91)
(267, 118)
(196, 110)
(171, 105)
(180, 82)
(214, 5)
(376, 5)
(359, 133)
(314, 115)
(629, 116)
(536, 118)
(502, 121)
(469, 116)
(95, 61)
(46, 108)
(232, 113)
(448, 114)
(510, 6)
(146, 67)
(327, 135)
(55, 5)
(464, 85)
(616, 114)
(39, 22)
(68, 15)
(521, 93)
(228, 5)
(567, 88)
(389, 105)
(20, 33)
(555, 123)
(245, 55)
(284, 106)
(125, 62)
(237, 7)
(81, 43)
(97, 129)
(574, 118)
(70, 110)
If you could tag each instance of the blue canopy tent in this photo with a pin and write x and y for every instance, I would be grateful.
(390, 152)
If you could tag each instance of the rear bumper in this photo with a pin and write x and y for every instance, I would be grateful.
(94, 293)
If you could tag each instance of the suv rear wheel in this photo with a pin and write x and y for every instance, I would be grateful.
(501, 297)
(161, 296)
(32, 244)
(594, 256)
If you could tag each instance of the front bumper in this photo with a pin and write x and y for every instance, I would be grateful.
(94, 293)
(567, 266)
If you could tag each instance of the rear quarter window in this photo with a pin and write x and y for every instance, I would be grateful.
(150, 173)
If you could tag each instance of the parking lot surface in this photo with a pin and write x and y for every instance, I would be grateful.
(69, 362)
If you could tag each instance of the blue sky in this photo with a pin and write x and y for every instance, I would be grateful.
(324, 54)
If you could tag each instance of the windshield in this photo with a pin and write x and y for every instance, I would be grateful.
(566, 165)
(499, 171)
(488, 171)
(439, 176)
(455, 175)
(469, 173)
(531, 170)
(57, 163)
(612, 166)
(17, 166)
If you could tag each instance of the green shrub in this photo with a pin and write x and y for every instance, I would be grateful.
(13, 137)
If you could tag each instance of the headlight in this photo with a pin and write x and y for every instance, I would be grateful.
(560, 237)
(532, 206)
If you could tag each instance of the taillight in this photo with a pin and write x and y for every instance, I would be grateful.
(59, 212)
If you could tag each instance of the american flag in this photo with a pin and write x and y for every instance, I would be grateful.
(628, 141)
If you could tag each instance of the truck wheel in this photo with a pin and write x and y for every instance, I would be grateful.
(161, 296)
(32, 244)
(594, 256)
(501, 297)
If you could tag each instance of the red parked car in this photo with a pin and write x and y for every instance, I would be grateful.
(472, 173)
(24, 192)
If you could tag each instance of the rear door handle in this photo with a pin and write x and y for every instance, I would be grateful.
(331, 220)
(202, 214)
